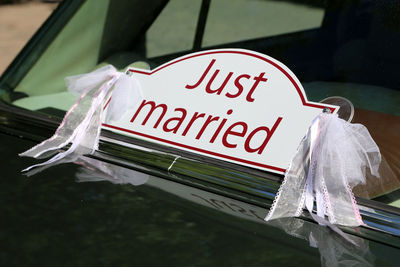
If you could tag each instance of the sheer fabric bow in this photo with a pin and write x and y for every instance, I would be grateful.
(82, 123)
(331, 159)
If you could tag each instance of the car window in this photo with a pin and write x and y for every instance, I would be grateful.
(268, 18)
(172, 31)
(347, 49)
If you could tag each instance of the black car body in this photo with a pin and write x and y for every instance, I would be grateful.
(185, 209)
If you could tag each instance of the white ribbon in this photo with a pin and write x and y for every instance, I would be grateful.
(82, 123)
(331, 159)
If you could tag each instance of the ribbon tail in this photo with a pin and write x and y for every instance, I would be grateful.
(329, 161)
(86, 85)
(320, 203)
(345, 151)
(322, 221)
(290, 198)
(309, 192)
(80, 127)
(63, 134)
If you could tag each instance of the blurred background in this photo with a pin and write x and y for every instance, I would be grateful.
(19, 19)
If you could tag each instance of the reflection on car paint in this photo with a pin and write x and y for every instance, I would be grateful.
(334, 250)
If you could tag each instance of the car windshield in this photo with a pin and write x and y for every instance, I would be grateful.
(335, 48)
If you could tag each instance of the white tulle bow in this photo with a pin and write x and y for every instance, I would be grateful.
(82, 123)
(331, 159)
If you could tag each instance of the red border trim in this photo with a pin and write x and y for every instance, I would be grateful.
(247, 53)
(292, 80)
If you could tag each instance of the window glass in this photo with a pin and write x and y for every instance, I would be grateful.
(237, 20)
(74, 50)
(173, 31)
(341, 48)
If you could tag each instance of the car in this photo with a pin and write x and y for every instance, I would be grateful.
(141, 203)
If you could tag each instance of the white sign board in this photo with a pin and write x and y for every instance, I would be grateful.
(232, 104)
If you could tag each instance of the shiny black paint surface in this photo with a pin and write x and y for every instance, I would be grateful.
(50, 219)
